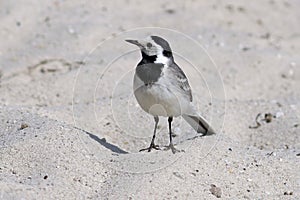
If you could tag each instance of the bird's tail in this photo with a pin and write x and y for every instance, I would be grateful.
(199, 124)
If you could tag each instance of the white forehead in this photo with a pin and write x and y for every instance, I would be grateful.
(149, 39)
(152, 49)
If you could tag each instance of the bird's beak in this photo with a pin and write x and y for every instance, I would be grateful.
(135, 42)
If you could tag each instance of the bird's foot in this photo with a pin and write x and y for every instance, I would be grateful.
(174, 150)
(152, 146)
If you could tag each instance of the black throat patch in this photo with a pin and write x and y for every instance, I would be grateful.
(149, 73)
(147, 59)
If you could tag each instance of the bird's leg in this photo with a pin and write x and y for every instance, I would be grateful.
(152, 145)
(171, 146)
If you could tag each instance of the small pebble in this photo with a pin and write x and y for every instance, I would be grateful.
(215, 190)
(288, 193)
(246, 48)
(177, 175)
(23, 126)
(170, 11)
(268, 117)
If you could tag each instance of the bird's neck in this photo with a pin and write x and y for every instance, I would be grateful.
(162, 59)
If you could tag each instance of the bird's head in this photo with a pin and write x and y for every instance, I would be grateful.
(154, 46)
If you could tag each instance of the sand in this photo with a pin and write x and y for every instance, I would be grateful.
(71, 128)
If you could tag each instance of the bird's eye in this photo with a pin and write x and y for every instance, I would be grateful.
(149, 45)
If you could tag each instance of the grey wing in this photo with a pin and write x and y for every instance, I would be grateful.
(181, 80)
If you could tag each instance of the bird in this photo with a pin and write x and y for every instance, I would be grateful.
(162, 89)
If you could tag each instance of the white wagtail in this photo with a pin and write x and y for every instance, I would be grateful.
(162, 89)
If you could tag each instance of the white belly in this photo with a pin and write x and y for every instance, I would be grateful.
(158, 99)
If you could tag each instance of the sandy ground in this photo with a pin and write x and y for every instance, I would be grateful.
(72, 130)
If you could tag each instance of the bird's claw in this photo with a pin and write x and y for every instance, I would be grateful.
(152, 146)
(174, 150)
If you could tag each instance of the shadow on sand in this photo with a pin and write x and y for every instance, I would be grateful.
(103, 142)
